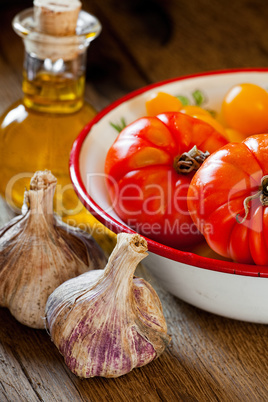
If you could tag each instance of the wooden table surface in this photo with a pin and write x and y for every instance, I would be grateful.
(210, 358)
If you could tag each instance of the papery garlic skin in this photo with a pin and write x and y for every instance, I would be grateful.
(38, 252)
(105, 323)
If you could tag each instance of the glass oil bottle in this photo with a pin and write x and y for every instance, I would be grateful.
(37, 132)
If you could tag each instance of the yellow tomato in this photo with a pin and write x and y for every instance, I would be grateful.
(234, 135)
(162, 102)
(193, 110)
(245, 109)
(213, 122)
(202, 114)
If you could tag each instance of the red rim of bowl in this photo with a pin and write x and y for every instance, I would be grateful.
(117, 227)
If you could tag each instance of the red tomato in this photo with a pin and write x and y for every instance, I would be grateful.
(228, 200)
(146, 190)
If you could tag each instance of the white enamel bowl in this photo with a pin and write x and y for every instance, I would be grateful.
(229, 289)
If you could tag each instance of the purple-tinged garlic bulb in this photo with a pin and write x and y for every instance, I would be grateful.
(107, 322)
(38, 252)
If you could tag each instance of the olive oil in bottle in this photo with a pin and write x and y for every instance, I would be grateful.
(37, 132)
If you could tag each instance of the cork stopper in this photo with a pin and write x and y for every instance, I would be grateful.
(56, 29)
(56, 17)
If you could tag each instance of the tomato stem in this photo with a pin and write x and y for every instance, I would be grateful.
(262, 194)
(189, 161)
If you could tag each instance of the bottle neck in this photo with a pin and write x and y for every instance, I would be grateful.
(54, 64)
(54, 86)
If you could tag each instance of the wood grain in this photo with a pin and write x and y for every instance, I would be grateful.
(173, 38)
(210, 358)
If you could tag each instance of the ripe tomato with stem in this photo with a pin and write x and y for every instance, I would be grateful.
(149, 168)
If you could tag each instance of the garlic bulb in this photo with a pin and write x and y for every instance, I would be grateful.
(106, 322)
(38, 252)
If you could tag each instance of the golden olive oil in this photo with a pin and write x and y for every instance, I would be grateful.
(33, 139)
(37, 132)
